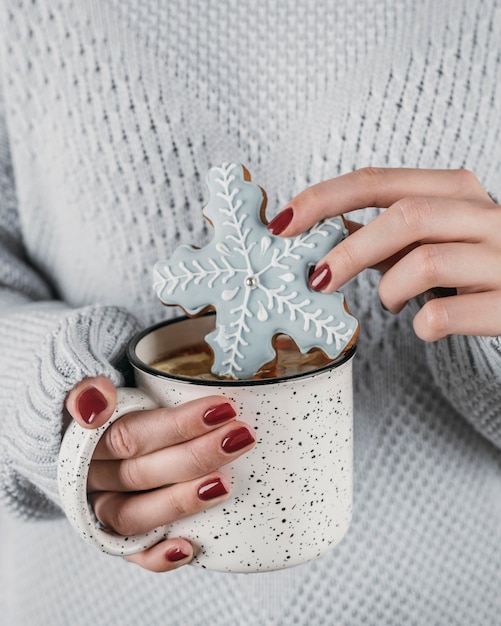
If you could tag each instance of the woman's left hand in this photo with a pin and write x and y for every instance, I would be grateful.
(440, 229)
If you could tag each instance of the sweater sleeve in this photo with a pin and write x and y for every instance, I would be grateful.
(468, 372)
(46, 347)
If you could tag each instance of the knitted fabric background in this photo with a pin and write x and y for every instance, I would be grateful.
(112, 112)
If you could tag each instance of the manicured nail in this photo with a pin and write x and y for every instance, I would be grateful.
(237, 439)
(175, 554)
(218, 414)
(280, 222)
(90, 403)
(320, 278)
(212, 489)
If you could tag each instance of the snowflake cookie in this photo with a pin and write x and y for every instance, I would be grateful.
(256, 281)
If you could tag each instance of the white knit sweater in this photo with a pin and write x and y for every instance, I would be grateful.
(112, 112)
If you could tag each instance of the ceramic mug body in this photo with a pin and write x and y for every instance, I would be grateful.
(291, 497)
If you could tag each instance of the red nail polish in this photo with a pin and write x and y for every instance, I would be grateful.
(90, 403)
(320, 278)
(236, 440)
(175, 554)
(279, 223)
(218, 414)
(212, 489)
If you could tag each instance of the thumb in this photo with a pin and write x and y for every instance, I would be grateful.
(92, 401)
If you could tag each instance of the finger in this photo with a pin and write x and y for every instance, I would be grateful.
(390, 261)
(91, 403)
(465, 314)
(368, 187)
(458, 265)
(141, 432)
(405, 223)
(132, 514)
(174, 464)
(164, 556)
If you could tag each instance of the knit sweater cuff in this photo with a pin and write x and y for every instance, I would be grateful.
(66, 347)
(468, 372)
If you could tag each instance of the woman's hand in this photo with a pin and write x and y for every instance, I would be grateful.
(440, 229)
(153, 467)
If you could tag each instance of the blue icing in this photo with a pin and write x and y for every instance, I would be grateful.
(258, 282)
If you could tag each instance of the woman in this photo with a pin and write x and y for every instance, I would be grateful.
(112, 114)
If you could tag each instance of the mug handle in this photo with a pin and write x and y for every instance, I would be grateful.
(75, 455)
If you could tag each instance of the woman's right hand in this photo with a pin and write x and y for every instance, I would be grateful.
(152, 468)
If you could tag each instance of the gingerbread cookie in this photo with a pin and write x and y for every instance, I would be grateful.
(257, 282)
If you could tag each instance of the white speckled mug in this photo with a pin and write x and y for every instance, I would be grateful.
(291, 496)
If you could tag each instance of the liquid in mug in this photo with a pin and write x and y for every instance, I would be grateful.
(195, 361)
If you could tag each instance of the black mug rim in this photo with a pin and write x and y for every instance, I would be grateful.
(136, 362)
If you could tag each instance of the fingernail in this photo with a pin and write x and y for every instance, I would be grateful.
(218, 414)
(212, 489)
(280, 222)
(237, 439)
(321, 277)
(90, 403)
(175, 554)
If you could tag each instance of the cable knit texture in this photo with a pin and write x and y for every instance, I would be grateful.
(111, 113)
